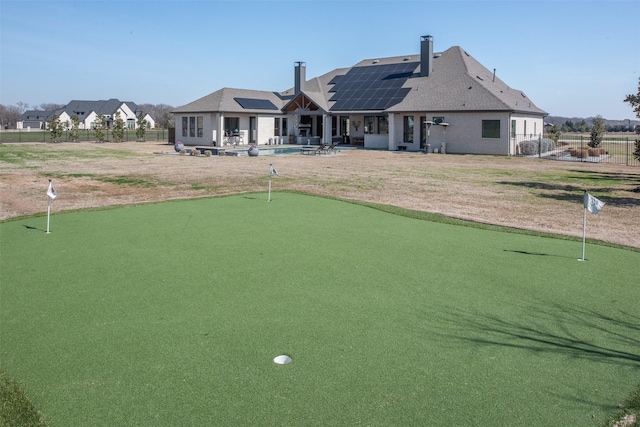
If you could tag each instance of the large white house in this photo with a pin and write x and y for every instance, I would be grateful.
(87, 112)
(428, 101)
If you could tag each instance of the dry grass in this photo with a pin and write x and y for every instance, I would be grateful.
(524, 193)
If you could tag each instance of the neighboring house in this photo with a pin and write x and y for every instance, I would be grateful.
(87, 112)
(407, 102)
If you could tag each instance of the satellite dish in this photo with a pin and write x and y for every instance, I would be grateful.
(282, 360)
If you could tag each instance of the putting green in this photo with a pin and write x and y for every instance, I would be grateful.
(172, 314)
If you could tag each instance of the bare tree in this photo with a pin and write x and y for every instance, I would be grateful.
(50, 107)
(22, 106)
(161, 114)
(9, 116)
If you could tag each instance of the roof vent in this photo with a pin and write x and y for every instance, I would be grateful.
(479, 78)
(375, 61)
(406, 58)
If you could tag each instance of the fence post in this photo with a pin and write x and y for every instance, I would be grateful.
(539, 146)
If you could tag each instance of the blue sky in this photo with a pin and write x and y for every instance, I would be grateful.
(575, 58)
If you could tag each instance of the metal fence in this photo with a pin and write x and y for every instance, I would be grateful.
(576, 148)
(24, 135)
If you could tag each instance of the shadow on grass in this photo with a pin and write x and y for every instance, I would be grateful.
(29, 227)
(552, 328)
(536, 253)
(574, 193)
(608, 176)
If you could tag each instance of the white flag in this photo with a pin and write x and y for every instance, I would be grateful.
(272, 170)
(592, 204)
(51, 192)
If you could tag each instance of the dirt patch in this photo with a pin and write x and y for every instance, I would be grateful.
(524, 193)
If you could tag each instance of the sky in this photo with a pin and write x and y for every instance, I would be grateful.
(573, 58)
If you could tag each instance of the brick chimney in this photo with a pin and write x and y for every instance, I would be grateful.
(300, 75)
(426, 56)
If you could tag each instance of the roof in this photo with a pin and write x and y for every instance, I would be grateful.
(460, 83)
(457, 82)
(105, 107)
(225, 100)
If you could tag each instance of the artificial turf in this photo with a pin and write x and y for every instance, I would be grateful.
(172, 313)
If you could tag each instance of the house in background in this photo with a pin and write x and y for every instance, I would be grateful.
(87, 112)
(427, 101)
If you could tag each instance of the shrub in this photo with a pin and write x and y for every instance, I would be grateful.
(581, 152)
(595, 152)
(533, 147)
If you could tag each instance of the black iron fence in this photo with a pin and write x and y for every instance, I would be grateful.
(578, 148)
(25, 135)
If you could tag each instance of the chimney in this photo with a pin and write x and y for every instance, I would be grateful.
(300, 74)
(426, 56)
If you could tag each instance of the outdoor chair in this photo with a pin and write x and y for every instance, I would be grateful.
(322, 148)
(331, 148)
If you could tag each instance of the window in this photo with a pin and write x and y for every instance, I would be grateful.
(231, 125)
(192, 126)
(513, 128)
(276, 126)
(285, 129)
(199, 126)
(383, 124)
(185, 126)
(369, 122)
(491, 128)
(437, 120)
(407, 129)
(376, 124)
(525, 127)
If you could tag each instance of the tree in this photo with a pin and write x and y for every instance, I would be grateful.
(98, 130)
(50, 106)
(161, 114)
(634, 101)
(9, 116)
(74, 133)
(23, 106)
(554, 133)
(118, 128)
(55, 127)
(142, 127)
(597, 132)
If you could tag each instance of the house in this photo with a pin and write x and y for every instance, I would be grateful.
(444, 101)
(87, 113)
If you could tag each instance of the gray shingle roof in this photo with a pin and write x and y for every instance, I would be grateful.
(457, 83)
(223, 100)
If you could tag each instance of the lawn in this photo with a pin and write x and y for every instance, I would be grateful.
(172, 313)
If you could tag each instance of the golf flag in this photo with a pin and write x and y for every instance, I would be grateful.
(272, 172)
(51, 192)
(592, 204)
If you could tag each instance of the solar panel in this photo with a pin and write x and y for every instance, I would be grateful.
(375, 87)
(255, 104)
